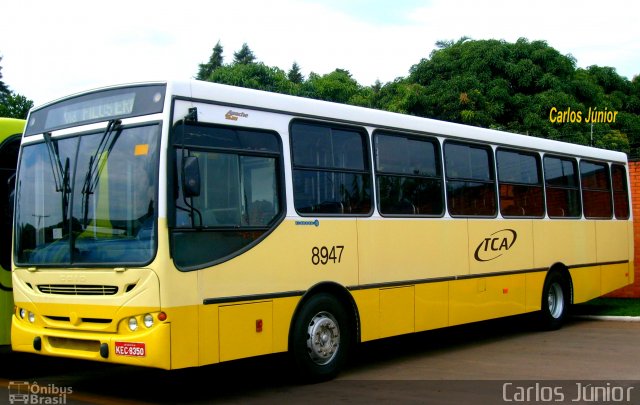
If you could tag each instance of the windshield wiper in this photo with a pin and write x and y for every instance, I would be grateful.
(60, 174)
(97, 163)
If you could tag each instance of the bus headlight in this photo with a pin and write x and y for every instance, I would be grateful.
(133, 324)
(22, 313)
(32, 317)
(148, 320)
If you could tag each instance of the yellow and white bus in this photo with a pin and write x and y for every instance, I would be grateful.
(179, 224)
(10, 134)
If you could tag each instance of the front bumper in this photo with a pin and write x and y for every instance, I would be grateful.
(152, 346)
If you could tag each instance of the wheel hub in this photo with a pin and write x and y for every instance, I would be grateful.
(323, 338)
(555, 300)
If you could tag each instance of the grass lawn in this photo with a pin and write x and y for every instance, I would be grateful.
(609, 307)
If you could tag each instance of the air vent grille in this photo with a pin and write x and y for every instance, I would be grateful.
(77, 289)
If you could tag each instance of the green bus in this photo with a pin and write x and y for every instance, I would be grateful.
(10, 134)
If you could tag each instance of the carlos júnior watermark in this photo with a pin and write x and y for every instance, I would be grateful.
(567, 392)
(25, 392)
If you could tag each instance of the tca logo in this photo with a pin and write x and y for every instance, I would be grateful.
(497, 244)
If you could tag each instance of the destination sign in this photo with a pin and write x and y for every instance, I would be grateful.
(97, 106)
(92, 110)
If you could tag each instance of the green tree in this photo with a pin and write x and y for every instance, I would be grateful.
(614, 140)
(629, 124)
(401, 96)
(254, 76)
(337, 86)
(244, 56)
(295, 75)
(607, 78)
(14, 105)
(486, 82)
(633, 103)
(3, 87)
(215, 61)
(585, 87)
(513, 86)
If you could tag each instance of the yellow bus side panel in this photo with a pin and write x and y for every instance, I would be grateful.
(231, 331)
(245, 330)
(432, 305)
(494, 247)
(283, 309)
(564, 241)
(612, 243)
(208, 343)
(630, 248)
(397, 249)
(614, 276)
(397, 311)
(586, 283)
(284, 261)
(184, 340)
(368, 304)
(486, 298)
(535, 282)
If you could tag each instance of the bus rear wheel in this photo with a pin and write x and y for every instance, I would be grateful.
(321, 337)
(555, 301)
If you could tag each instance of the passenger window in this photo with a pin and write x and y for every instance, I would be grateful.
(520, 179)
(408, 175)
(562, 187)
(331, 173)
(470, 180)
(620, 191)
(596, 190)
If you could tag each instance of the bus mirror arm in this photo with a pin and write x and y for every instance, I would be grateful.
(191, 177)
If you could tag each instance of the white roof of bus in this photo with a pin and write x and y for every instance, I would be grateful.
(242, 97)
(377, 118)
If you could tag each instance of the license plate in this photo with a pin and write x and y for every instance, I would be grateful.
(130, 349)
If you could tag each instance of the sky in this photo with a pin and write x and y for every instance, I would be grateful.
(53, 48)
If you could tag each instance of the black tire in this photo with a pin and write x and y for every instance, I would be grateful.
(321, 338)
(555, 301)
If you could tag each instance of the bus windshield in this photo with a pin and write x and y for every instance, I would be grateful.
(90, 199)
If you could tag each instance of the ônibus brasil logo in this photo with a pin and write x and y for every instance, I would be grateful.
(497, 244)
(33, 393)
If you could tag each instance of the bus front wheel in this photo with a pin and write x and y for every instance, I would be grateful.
(320, 339)
(555, 301)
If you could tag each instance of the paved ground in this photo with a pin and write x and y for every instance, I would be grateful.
(490, 362)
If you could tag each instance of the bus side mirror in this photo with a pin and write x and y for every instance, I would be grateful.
(191, 177)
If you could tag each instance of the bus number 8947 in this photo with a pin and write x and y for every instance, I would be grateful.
(323, 255)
